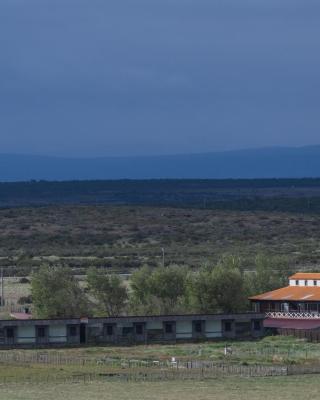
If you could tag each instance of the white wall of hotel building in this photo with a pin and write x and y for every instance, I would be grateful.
(310, 282)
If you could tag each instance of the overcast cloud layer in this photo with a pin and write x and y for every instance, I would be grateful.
(129, 77)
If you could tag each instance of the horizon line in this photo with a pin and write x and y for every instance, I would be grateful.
(93, 157)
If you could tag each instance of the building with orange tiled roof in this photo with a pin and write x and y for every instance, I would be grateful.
(301, 299)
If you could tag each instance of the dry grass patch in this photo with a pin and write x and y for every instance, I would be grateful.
(284, 388)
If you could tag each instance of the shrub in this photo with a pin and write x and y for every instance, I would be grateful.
(25, 300)
(24, 280)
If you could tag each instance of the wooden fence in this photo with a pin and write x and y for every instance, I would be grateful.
(310, 335)
(9, 357)
(156, 375)
(58, 359)
(108, 369)
(303, 351)
(152, 375)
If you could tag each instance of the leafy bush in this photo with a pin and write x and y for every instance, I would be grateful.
(24, 280)
(25, 300)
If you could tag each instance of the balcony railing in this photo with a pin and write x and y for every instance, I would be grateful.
(293, 315)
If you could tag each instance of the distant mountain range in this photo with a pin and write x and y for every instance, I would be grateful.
(276, 162)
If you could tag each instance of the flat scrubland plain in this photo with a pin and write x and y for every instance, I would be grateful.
(121, 238)
(273, 388)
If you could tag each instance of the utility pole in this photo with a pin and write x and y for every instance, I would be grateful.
(204, 202)
(163, 255)
(2, 291)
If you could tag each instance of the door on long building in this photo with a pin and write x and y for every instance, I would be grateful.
(83, 333)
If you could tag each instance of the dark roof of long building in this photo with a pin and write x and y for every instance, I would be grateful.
(137, 318)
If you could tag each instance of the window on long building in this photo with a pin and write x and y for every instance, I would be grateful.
(257, 325)
(139, 329)
(73, 331)
(297, 283)
(168, 328)
(41, 332)
(10, 333)
(198, 326)
(109, 330)
(227, 326)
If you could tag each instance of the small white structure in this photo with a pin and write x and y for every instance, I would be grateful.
(305, 279)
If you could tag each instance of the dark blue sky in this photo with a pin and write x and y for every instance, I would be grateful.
(120, 77)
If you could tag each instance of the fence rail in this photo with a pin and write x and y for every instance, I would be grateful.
(310, 334)
(293, 315)
(168, 374)
(235, 356)
(111, 369)
(136, 375)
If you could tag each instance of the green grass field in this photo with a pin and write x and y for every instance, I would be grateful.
(283, 388)
(269, 350)
(22, 380)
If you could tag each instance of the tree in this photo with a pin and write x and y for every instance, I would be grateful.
(168, 285)
(271, 272)
(158, 291)
(219, 288)
(109, 291)
(228, 286)
(57, 294)
(200, 292)
(141, 300)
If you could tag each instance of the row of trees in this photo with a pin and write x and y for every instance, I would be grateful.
(223, 287)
